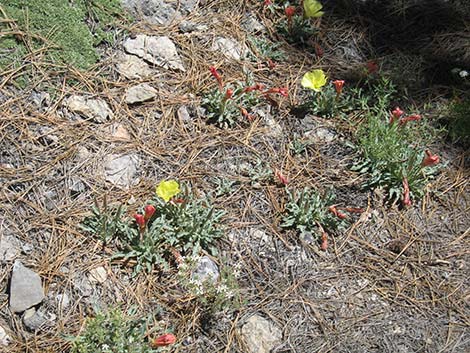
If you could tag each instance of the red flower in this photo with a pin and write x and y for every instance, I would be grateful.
(257, 87)
(430, 159)
(164, 340)
(149, 211)
(281, 177)
(337, 213)
(324, 241)
(267, 2)
(282, 91)
(414, 117)
(338, 86)
(216, 75)
(247, 115)
(229, 93)
(396, 114)
(406, 193)
(372, 67)
(290, 11)
(140, 220)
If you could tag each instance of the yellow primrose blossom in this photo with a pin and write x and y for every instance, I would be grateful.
(167, 189)
(314, 80)
(312, 8)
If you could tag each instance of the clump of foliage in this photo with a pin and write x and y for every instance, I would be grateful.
(60, 31)
(230, 104)
(459, 120)
(113, 332)
(169, 227)
(267, 49)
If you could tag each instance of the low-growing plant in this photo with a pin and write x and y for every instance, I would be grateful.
(167, 227)
(230, 104)
(310, 212)
(213, 294)
(459, 120)
(113, 332)
(267, 49)
(392, 155)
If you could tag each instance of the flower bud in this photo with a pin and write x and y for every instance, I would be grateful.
(163, 340)
(149, 211)
(140, 220)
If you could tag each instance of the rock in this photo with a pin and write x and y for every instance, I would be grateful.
(121, 170)
(160, 12)
(119, 132)
(76, 186)
(206, 270)
(5, 339)
(228, 47)
(183, 113)
(132, 67)
(95, 109)
(34, 320)
(260, 335)
(98, 274)
(160, 51)
(274, 128)
(83, 285)
(252, 25)
(25, 288)
(10, 248)
(63, 301)
(140, 93)
(321, 134)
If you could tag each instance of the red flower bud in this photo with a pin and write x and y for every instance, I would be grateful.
(324, 241)
(229, 93)
(247, 115)
(267, 2)
(290, 11)
(414, 117)
(163, 340)
(140, 220)
(396, 114)
(339, 86)
(337, 213)
(281, 177)
(430, 159)
(216, 75)
(149, 211)
(406, 193)
(282, 91)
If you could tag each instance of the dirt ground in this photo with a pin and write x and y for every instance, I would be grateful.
(396, 280)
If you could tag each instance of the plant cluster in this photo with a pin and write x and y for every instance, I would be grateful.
(229, 104)
(297, 27)
(310, 212)
(167, 227)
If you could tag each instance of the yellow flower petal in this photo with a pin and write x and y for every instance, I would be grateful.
(167, 189)
(314, 80)
(312, 8)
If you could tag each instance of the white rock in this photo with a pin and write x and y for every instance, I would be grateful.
(132, 67)
(9, 248)
(140, 93)
(183, 113)
(25, 288)
(321, 134)
(121, 170)
(260, 335)
(5, 339)
(206, 270)
(229, 47)
(98, 274)
(119, 132)
(95, 109)
(160, 51)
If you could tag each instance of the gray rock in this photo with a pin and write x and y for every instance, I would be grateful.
(229, 47)
(252, 25)
(140, 93)
(206, 270)
(160, 51)
(5, 339)
(95, 109)
(25, 288)
(132, 67)
(76, 185)
(260, 335)
(10, 248)
(183, 114)
(83, 286)
(321, 134)
(121, 170)
(98, 274)
(160, 12)
(34, 320)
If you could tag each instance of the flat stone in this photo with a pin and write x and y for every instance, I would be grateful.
(132, 67)
(119, 132)
(206, 270)
(10, 248)
(183, 113)
(160, 12)
(140, 93)
(35, 320)
(98, 274)
(121, 170)
(260, 335)
(5, 339)
(25, 288)
(94, 109)
(228, 47)
(160, 51)
(321, 134)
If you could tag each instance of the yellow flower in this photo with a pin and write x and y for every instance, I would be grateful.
(167, 189)
(312, 8)
(315, 80)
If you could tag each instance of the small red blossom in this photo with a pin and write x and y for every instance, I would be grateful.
(247, 115)
(372, 67)
(281, 177)
(163, 340)
(338, 86)
(324, 241)
(337, 213)
(279, 90)
(140, 220)
(149, 211)
(396, 114)
(290, 11)
(257, 87)
(406, 193)
(414, 117)
(216, 75)
(352, 209)
(267, 2)
(430, 159)
(229, 93)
